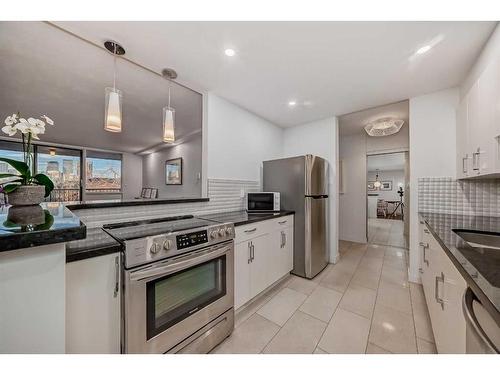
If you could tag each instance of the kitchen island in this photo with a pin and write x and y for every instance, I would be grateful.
(32, 282)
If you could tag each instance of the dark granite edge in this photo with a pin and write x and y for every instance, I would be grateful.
(125, 203)
(264, 218)
(77, 255)
(24, 240)
(483, 298)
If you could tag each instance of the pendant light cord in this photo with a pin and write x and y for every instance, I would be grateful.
(169, 83)
(114, 68)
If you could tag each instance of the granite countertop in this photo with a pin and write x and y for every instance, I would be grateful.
(98, 242)
(129, 202)
(44, 224)
(479, 266)
(243, 217)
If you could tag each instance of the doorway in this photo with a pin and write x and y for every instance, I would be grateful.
(387, 196)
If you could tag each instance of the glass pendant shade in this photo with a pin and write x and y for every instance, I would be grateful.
(113, 113)
(168, 125)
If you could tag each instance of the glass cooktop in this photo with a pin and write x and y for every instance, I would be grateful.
(144, 228)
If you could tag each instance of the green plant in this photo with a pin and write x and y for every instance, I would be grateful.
(29, 129)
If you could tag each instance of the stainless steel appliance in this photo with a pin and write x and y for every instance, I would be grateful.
(303, 184)
(263, 202)
(482, 331)
(178, 284)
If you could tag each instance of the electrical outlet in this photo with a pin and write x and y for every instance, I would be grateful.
(242, 193)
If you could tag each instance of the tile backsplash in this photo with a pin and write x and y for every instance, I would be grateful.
(447, 195)
(225, 196)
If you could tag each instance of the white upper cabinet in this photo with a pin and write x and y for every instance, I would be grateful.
(478, 126)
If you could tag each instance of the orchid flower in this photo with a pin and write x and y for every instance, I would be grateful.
(48, 120)
(11, 120)
(10, 130)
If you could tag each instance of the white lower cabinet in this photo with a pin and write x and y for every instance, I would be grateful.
(443, 288)
(263, 257)
(93, 305)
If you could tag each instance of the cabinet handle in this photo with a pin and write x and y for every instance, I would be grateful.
(249, 252)
(464, 164)
(475, 160)
(424, 247)
(284, 239)
(282, 243)
(252, 248)
(117, 277)
(282, 222)
(250, 230)
(436, 290)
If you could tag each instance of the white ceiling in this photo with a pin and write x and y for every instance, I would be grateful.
(386, 162)
(44, 70)
(354, 123)
(337, 67)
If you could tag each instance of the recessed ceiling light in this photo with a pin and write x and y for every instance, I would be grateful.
(292, 103)
(423, 49)
(230, 52)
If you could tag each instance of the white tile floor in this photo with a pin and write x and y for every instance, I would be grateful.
(387, 232)
(363, 304)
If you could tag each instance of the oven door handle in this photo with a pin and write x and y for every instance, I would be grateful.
(173, 265)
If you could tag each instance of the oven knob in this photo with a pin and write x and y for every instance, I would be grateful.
(155, 247)
(167, 244)
(222, 232)
(229, 231)
(213, 234)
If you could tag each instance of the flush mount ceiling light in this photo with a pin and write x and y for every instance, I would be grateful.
(229, 52)
(292, 103)
(113, 104)
(168, 111)
(423, 49)
(384, 126)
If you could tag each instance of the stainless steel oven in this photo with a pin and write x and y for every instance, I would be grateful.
(180, 296)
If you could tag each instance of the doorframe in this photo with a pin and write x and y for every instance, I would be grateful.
(407, 171)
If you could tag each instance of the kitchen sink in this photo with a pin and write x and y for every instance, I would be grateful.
(482, 240)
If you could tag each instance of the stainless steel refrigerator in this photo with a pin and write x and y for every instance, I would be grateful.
(303, 184)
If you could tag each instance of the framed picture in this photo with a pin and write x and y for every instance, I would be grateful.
(371, 186)
(386, 185)
(173, 171)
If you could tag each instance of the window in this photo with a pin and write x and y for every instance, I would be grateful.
(11, 150)
(63, 166)
(103, 172)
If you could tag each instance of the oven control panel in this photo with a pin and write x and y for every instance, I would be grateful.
(148, 249)
(191, 239)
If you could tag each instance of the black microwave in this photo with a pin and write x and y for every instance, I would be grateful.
(263, 202)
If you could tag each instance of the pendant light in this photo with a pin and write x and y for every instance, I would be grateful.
(377, 184)
(113, 104)
(168, 111)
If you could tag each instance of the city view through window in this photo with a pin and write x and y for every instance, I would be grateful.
(103, 175)
(64, 171)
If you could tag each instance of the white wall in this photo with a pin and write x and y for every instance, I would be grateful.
(238, 141)
(132, 175)
(154, 169)
(319, 138)
(432, 152)
(352, 202)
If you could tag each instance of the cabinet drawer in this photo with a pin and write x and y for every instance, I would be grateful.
(249, 231)
(280, 223)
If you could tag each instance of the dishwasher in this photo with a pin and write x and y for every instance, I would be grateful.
(482, 332)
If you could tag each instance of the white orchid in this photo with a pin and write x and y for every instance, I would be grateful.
(10, 130)
(11, 120)
(48, 120)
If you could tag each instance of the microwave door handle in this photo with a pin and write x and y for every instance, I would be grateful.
(174, 266)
